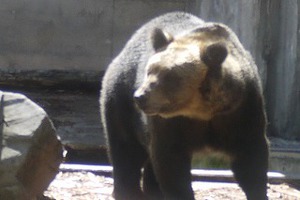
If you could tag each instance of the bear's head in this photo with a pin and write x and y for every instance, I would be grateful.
(182, 72)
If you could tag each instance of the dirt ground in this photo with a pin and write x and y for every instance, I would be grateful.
(88, 186)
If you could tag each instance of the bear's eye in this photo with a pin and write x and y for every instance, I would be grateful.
(153, 70)
(171, 81)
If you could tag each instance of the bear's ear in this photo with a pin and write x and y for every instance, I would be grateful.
(160, 39)
(214, 54)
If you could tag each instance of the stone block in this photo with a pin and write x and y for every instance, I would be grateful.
(30, 152)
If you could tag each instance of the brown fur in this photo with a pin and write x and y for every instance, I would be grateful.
(188, 87)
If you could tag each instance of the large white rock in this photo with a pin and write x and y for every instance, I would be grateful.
(30, 151)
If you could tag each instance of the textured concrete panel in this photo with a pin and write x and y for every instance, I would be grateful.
(43, 34)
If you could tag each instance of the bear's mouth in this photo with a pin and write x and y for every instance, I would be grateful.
(150, 113)
(150, 110)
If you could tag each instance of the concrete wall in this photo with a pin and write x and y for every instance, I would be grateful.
(70, 34)
(82, 36)
(54, 34)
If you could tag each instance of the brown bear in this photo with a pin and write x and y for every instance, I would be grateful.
(179, 86)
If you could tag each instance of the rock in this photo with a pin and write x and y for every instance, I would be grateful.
(30, 153)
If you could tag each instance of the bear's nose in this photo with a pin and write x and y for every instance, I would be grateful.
(140, 99)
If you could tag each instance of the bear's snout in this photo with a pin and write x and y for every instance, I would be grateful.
(140, 99)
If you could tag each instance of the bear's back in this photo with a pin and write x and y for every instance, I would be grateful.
(174, 23)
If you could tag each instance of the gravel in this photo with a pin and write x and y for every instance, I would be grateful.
(89, 186)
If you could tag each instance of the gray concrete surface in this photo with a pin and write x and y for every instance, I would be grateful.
(72, 34)
(54, 34)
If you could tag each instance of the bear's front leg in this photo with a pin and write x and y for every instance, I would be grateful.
(250, 168)
(171, 164)
(150, 185)
(127, 160)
